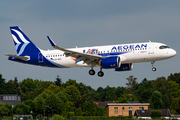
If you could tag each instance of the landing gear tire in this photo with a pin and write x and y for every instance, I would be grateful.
(154, 69)
(91, 72)
(100, 74)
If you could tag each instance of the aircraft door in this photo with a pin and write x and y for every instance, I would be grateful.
(40, 58)
(151, 48)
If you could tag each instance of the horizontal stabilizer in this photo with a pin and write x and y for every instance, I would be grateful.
(25, 58)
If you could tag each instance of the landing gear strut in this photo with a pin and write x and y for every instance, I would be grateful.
(92, 72)
(153, 69)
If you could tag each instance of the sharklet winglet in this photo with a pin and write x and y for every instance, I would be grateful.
(51, 41)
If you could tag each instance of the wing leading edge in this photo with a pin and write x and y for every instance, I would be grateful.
(87, 58)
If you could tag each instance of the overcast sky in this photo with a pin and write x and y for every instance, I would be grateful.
(83, 23)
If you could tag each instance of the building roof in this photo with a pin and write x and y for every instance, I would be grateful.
(8, 94)
(147, 113)
(103, 104)
(126, 104)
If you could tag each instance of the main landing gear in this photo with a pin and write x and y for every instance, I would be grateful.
(153, 69)
(100, 73)
(91, 72)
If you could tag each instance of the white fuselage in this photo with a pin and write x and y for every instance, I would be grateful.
(129, 53)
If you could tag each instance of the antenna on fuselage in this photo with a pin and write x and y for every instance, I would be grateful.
(149, 41)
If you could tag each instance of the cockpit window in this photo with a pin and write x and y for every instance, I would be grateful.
(163, 47)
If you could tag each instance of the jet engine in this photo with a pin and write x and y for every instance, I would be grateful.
(110, 62)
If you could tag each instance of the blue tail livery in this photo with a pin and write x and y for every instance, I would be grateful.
(22, 43)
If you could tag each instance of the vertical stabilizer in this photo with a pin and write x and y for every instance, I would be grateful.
(22, 43)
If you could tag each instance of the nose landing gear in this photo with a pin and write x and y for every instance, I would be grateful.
(153, 69)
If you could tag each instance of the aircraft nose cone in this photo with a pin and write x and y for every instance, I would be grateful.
(173, 53)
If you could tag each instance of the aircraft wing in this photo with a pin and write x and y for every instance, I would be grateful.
(87, 58)
(25, 58)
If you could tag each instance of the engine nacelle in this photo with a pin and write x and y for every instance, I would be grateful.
(125, 67)
(111, 62)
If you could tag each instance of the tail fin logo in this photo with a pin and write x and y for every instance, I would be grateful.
(19, 40)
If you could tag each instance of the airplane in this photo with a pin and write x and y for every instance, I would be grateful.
(118, 57)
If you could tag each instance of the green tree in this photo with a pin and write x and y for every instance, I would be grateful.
(79, 112)
(3, 111)
(143, 91)
(84, 92)
(70, 114)
(125, 98)
(27, 85)
(109, 94)
(89, 108)
(99, 90)
(57, 117)
(131, 82)
(30, 88)
(72, 93)
(155, 114)
(39, 104)
(119, 91)
(69, 83)
(16, 86)
(58, 81)
(2, 80)
(174, 77)
(21, 109)
(174, 106)
(6, 88)
(94, 96)
(69, 107)
(31, 105)
(100, 111)
(62, 96)
(174, 88)
(9, 106)
(83, 89)
(163, 86)
(54, 102)
(9, 86)
(55, 89)
(156, 100)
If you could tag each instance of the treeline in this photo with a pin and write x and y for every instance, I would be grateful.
(77, 99)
